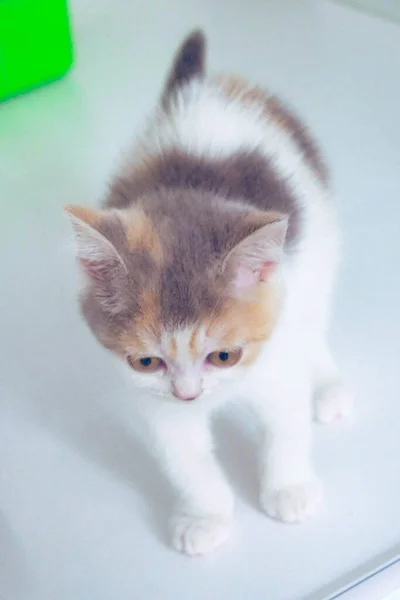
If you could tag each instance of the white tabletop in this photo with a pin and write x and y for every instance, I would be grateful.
(384, 585)
(82, 509)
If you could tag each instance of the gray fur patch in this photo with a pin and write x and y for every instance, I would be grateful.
(201, 209)
(247, 177)
(301, 135)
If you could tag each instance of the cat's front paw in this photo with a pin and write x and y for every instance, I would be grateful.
(292, 503)
(333, 403)
(196, 535)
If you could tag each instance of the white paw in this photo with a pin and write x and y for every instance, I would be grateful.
(293, 503)
(199, 535)
(333, 403)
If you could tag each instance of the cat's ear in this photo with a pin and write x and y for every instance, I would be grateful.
(188, 63)
(257, 257)
(97, 256)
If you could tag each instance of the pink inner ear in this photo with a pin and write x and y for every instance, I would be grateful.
(246, 277)
(267, 269)
(96, 269)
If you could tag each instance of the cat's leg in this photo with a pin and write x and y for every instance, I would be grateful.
(203, 516)
(332, 399)
(290, 490)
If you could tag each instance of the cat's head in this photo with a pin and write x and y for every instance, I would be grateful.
(185, 288)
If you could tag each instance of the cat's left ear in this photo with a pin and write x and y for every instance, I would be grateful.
(256, 258)
(97, 256)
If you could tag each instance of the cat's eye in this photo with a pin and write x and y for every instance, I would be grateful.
(146, 364)
(224, 358)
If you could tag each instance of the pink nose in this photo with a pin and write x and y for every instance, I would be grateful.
(183, 396)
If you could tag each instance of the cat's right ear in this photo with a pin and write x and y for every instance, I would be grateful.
(188, 63)
(97, 256)
(256, 258)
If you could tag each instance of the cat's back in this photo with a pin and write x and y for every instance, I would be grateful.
(222, 136)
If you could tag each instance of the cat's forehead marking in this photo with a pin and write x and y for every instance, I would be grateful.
(184, 344)
(172, 347)
(183, 338)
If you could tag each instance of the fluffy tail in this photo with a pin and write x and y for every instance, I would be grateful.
(189, 62)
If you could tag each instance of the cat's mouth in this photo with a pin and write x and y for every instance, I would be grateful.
(185, 398)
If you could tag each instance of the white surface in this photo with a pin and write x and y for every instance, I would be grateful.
(385, 8)
(383, 586)
(82, 508)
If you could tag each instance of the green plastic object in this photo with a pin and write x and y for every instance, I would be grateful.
(35, 44)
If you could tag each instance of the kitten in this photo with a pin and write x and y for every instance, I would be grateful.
(209, 274)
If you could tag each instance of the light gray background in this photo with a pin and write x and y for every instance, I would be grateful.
(82, 508)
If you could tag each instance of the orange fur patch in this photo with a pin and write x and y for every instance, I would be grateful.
(258, 219)
(246, 323)
(84, 213)
(273, 109)
(173, 348)
(240, 89)
(147, 323)
(193, 344)
(282, 117)
(129, 340)
(141, 235)
(149, 319)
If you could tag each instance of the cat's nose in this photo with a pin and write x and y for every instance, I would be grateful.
(183, 396)
(186, 390)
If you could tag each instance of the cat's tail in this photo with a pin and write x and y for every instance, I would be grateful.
(189, 63)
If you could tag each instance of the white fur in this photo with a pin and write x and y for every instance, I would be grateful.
(294, 365)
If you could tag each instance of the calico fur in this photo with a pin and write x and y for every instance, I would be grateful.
(219, 235)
